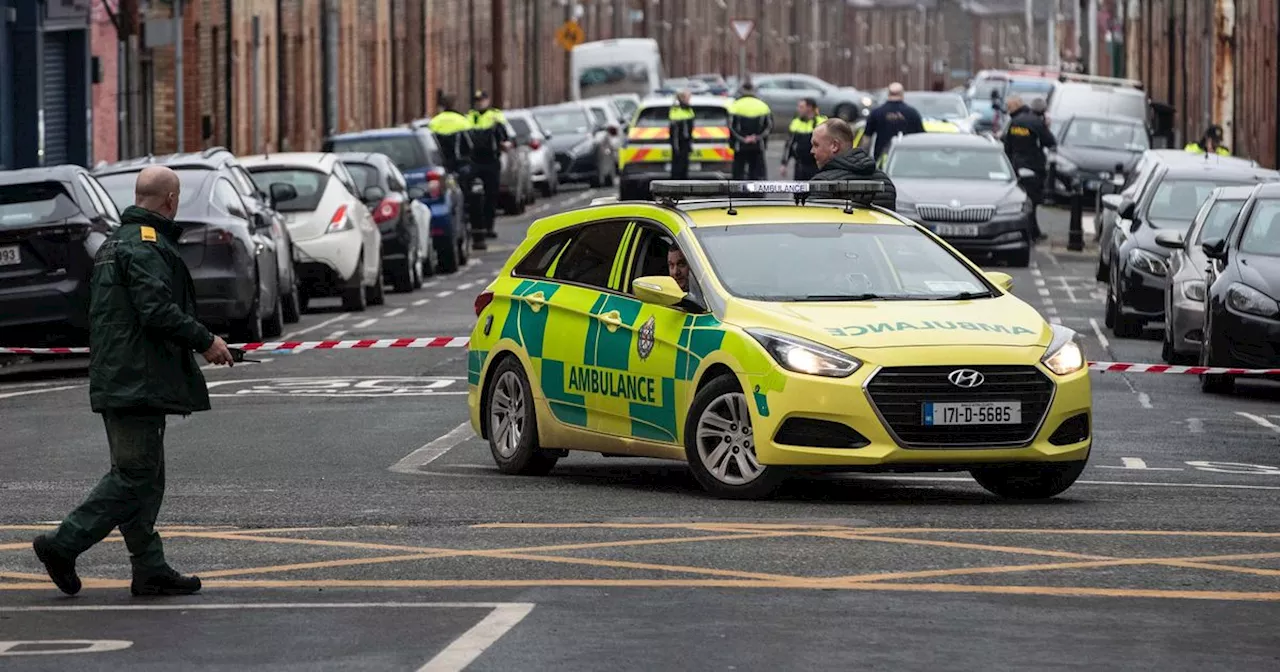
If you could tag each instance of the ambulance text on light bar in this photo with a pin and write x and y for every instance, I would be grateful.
(712, 188)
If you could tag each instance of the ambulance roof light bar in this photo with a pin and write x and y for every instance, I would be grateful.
(862, 191)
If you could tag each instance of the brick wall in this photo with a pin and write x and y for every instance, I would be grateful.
(106, 115)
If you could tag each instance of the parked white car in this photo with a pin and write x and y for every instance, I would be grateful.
(336, 241)
(542, 161)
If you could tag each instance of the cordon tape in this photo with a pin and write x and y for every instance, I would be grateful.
(463, 341)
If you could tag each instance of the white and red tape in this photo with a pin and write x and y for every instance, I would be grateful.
(463, 341)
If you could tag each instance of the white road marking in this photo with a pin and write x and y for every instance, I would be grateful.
(445, 293)
(1039, 281)
(1152, 484)
(299, 332)
(1044, 291)
(467, 286)
(1262, 422)
(434, 449)
(460, 653)
(60, 646)
(1097, 331)
(430, 283)
(338, 387)
(464, 650)
(7, 395)
(1136, 463)
(1195, 425)
(364, 324)
(337, 334)
(421, 302)
(1236, 468)
(1145, 400)
(1055, 319)
(393, 312)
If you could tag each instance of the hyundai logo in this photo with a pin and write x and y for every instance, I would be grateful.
(967, 378)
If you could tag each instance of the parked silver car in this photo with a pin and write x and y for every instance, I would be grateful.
(1184, 295)
(783, 91)
(542, 161)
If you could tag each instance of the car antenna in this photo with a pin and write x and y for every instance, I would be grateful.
(729, 191)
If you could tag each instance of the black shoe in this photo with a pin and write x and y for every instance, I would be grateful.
(491, 235)
(60, 569)
(479, 245)
(165, 583)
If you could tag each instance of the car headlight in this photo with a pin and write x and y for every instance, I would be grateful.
(867, 102)
(1013, 207)
(1148, 262)
(1243, 298)
(803, 356)
(1193, 290)
(1063, 356)
(582, 148)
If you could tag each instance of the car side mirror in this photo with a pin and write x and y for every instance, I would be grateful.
(1002, 280)
(1215, 249)
(1172, 240)
(260, 221)
(373, 193)
(1112, 202)
(1128, 209)
(613, 129)
(282, 191)
(660, 290)
(417, 193)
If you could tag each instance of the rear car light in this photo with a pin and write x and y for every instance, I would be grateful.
(207, 235)
(535, 144)
(339, 221)
(388, 210)
(435, 183)
(483, 301)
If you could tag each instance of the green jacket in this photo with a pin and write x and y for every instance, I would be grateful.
(143, 332)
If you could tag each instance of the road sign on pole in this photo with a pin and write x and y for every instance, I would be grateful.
(743, 28)
(569, 35)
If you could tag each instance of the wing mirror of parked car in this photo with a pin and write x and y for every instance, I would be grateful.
(417, 193)
(613, 129)
(1170, 239)
(373, 193)
(282, 191)
(260, 221)
(1215, 249)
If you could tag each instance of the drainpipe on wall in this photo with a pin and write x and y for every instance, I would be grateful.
(177, 71)
(1224, 68)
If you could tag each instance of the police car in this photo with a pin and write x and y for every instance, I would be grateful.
(647, 153)
(753, 334)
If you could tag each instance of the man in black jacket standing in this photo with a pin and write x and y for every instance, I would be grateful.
(838, 159)
(893, 118)
(142, 336)
(1025, 142)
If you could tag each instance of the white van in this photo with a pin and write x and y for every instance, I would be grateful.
(609, 67)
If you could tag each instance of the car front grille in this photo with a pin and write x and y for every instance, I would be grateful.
(946, 213)
(899, 395)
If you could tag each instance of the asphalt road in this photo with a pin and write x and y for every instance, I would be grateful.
(343, 517)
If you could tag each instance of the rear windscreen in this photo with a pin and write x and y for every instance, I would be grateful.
(38, 203)
(404, 150)
(309, 183)
(651, 117)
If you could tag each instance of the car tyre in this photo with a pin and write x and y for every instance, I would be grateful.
(1102, 270)
(377, 295)
(1213, 383)
(545, 188)
(448, 253)
(720, 445)
(1029, 481)
(355, 299)
(406, 278)
(273, 324)
(512, 423)
(249, 330)
(292, 304)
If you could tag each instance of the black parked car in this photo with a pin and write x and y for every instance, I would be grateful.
(52, 222)
(1169, 201)
(402, 218)
(1242, 303)
(583, 150)
(234, 259)
(1093, 151)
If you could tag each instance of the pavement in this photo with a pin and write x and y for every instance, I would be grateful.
(343, 516)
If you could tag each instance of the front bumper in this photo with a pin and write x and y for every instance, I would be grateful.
(1244, 341)
(1186, 323)
(1141, 294)
(1002, 234)
(883, 403)
(577, 168)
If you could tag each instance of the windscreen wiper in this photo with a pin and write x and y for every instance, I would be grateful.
(867, 296)
(963, 296)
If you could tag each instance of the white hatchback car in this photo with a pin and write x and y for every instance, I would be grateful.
(337, 244)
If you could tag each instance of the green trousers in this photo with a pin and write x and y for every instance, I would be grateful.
(128, 497)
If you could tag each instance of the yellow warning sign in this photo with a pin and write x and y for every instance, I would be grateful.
(569, 35)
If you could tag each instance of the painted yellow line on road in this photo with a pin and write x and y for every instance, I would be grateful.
(1020, 550)
(323, 564)
(881, 530)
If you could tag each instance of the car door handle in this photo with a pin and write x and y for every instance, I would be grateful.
(536, 301)
(611, 319)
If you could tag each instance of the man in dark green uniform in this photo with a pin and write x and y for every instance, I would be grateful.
(490, 137)
(142, 336)
(680, 120)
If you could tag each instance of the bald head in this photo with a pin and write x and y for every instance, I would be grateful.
(830, 139)
(896, 91)
(157, 190)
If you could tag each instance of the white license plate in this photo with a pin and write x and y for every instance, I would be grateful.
(960, 230)
(972, 413)
(9, 256)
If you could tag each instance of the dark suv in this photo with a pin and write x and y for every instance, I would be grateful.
(52, 221)
(243, 263)
(417, 154)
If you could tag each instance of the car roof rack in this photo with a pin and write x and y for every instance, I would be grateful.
(1099, 79)
(851, 192)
